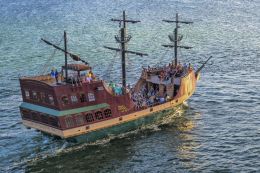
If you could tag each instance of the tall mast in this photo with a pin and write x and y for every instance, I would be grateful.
(176, 41)
(176, 38)
(66, 59)
(123, 48)
(123, 40)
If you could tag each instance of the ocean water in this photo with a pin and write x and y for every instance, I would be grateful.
(218, 129)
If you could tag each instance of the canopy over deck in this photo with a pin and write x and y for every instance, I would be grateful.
(77, 67)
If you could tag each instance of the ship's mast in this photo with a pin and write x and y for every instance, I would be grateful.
(66, 59)
(123, 40)
(176, 39)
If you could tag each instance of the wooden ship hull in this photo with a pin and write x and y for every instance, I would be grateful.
(88, 120)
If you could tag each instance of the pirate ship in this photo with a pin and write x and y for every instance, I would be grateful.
(76, 104)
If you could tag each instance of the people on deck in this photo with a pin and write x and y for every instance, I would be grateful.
(88, 78)
(52, 73)
(128, 88)
(56, 74)
(112, 84)
(118, 90)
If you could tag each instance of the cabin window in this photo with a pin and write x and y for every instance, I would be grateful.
(69, 122)
(51, 100)
(82, 98)
(45, 118)
(99, 115)
(91, 97)
(107, 113)
(35, 116)
(74, 99)
(65, 100)
(54, 121)
(27, 94)
(26, 114)
(79, 120)
(42, 97)
(89, 117)
(34, 95)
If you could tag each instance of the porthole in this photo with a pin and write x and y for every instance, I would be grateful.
(108, 113)
(89, 117)
(99, 115)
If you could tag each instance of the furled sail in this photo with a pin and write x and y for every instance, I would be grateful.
(73, 56)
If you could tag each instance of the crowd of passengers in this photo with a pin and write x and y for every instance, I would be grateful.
(148, 97)
(168, 71)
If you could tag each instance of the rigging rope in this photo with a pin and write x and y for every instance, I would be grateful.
(160, 62)
(110, 66)
(45, 66)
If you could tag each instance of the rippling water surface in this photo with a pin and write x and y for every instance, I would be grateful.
(219, 127)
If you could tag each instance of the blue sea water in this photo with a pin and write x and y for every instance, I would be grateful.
(219, 127)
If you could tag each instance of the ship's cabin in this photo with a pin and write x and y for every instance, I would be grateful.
(82, 88)
(78, 73)
(49, 90)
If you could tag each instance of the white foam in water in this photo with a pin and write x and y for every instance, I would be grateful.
(153, 127)
(68, 147)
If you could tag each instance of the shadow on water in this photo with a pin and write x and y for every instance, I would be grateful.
(119, 152)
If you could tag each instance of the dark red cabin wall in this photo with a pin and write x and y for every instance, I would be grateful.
(97, 88)
(101, 96)
(38, 87)
(69, 90)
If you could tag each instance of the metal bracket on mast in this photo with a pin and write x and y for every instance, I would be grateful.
(123, 39)
(176, 38)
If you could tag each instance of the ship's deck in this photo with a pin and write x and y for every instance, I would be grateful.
(47, 79)
(43, 78)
